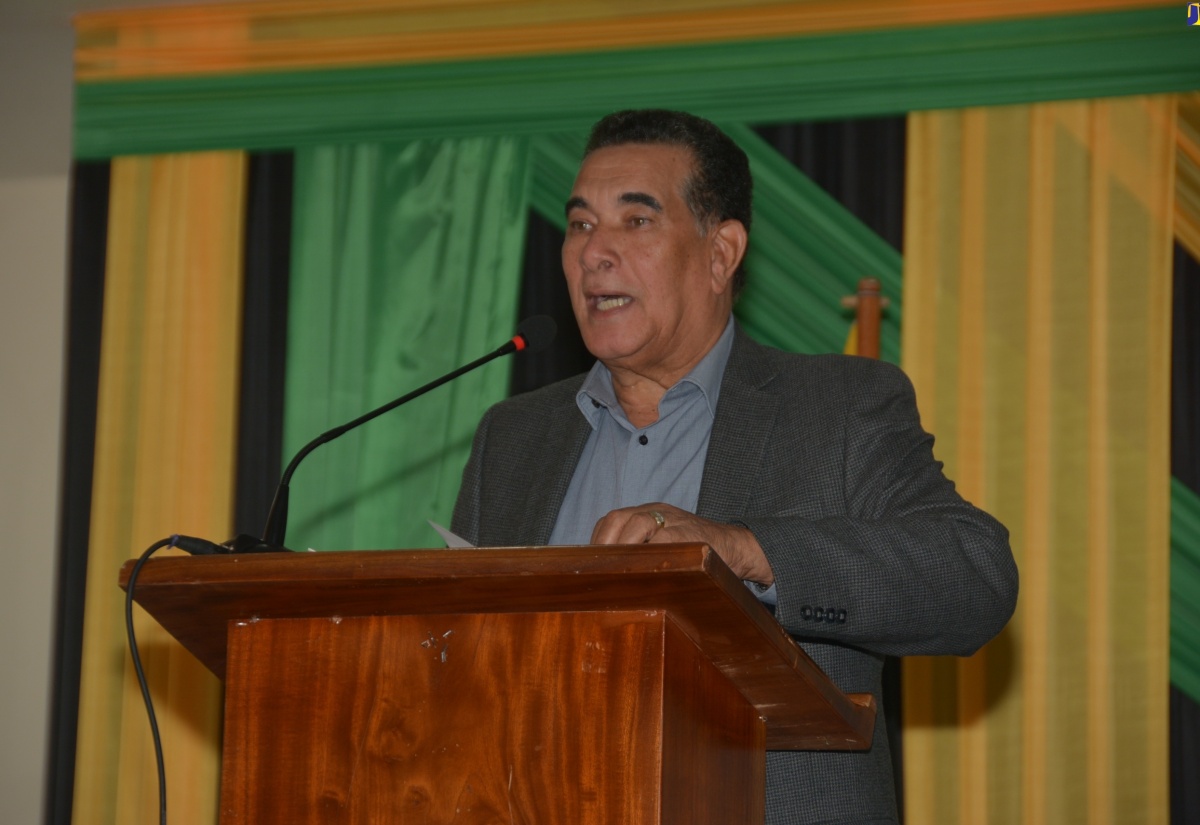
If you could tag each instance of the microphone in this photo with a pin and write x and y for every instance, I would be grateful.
(533, 335)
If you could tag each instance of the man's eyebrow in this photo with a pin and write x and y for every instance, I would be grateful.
(643, 199)
(626, 197)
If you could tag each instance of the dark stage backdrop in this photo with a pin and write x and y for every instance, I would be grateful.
(85, 303)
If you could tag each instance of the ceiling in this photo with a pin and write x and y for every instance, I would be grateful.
(36, 82)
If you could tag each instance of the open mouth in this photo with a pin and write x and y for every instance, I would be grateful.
(607, 302)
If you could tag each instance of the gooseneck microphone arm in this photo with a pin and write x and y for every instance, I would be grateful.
(533, 334)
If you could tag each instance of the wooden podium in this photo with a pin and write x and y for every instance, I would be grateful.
(544, 686)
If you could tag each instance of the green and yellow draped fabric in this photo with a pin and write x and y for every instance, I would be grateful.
(1035, 302)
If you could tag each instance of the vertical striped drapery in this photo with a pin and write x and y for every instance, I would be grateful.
(1037, 295)
(406, 263)
(164, 464)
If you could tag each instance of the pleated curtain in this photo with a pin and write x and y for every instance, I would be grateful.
(165, 429)
(406, 263)
(1037, 332)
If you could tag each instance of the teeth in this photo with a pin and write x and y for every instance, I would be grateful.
(613, 303)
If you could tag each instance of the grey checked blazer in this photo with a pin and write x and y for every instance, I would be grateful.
(824, 459)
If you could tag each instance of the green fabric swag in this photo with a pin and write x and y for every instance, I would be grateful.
(406, 263)
(883, 71)
(1185, 589)
(807, 252)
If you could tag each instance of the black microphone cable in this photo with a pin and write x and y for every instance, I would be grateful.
(195, 546)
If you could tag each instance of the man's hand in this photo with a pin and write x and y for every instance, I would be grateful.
(736, 545)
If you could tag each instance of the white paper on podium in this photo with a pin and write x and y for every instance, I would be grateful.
(452, 540)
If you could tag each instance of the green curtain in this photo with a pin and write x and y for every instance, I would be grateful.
(1185, 589)
(885, 70)
(555, 160)
(406, 263)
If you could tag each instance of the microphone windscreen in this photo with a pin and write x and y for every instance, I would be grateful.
(538, 332)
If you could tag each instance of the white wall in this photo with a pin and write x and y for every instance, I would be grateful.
(35, 106)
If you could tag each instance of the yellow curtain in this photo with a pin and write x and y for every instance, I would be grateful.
(1037, 331)
(165, 452)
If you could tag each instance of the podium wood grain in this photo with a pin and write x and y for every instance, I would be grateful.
(483, 719)
(636, 685)
(194, 598)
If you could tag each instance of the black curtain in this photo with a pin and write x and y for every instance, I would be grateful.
(85, 306)
(544, 292)
(859, 163)
(1185, 372)
(264, 338)
(1185, 466)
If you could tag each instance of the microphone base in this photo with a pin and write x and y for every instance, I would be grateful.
(243, 543)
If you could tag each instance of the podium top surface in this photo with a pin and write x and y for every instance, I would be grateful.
(196, 597)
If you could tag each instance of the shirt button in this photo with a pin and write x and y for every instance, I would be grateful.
(643, 440)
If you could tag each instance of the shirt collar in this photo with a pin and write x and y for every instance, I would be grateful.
(597, 393)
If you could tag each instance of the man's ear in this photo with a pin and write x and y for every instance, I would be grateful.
(729, 241)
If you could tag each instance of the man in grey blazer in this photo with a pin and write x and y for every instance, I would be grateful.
(809, 475)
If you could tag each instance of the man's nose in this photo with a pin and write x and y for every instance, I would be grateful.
(599, 250)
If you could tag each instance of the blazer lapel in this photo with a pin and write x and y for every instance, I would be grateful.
(741, 432)
(551, 471)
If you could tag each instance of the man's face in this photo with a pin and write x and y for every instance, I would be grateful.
(650, 289)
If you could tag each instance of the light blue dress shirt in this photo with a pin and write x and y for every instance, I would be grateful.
(624, 466)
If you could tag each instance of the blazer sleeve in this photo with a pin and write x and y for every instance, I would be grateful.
(903, 565)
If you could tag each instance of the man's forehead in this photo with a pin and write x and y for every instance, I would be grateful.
(632, 173)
